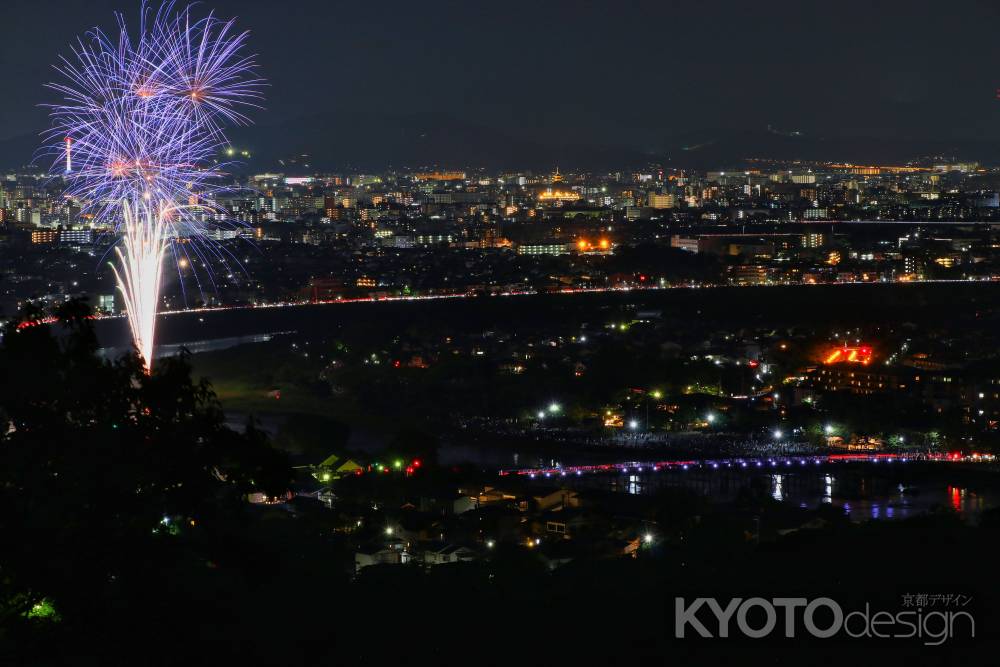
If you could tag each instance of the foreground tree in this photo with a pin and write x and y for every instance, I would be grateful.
(112, 481)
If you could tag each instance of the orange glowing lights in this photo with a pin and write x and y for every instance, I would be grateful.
(849, 355)
(558, 195)
(583, 245)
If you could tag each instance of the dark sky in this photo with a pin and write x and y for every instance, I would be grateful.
(610, 72)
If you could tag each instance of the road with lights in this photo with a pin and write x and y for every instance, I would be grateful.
(524, 293)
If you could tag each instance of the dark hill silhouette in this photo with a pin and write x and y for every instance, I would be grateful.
(376, 140)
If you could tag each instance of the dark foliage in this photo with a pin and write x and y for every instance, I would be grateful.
(111, 479)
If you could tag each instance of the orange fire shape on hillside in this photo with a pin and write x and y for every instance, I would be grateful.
(849, 355)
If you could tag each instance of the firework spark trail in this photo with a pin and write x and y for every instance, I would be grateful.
(145, 243)
(144, 114)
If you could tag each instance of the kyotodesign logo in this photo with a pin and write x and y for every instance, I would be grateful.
(822, 618)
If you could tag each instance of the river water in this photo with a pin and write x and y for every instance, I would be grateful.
(863, 491)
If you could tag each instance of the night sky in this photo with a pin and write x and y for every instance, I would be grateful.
(629, 74)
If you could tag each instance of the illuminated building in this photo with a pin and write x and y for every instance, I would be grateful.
(947, 261)
(75, 236)
(871, 170)
(332, 207)
(558, 195)
(840, 377)
(492, 238)
(688, 243)
(813, 240)
(439, 176)
(106, 303)
(913, 266)
(262, 180)
(544, 248)
(747, 274)
(44, 236)
(432, 239)
(661, 201)
(557, 192)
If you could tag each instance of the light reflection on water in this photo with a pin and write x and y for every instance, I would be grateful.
(861, 494)
(863, 498)
(634, 484)
(194, 347)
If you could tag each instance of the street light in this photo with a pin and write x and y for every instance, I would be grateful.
(710, 418)
(777, 434)
(828, 429)
(633, 424)
(554, 408)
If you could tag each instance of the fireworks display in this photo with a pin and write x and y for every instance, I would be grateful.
(144, 114)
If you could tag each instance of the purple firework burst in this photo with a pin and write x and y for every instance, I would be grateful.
(143, 115)
(144, 112)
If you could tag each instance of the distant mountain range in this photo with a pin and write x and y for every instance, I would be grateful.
(19, 151)
(341, 140)
(732, 148)
(372, 141)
